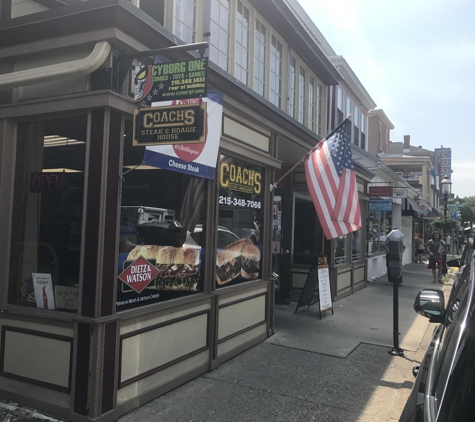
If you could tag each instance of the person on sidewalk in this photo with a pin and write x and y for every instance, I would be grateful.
(386, 248)
(436, 247)
(420, 248)
(448, 242)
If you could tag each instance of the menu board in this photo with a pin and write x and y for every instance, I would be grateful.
(324, 288)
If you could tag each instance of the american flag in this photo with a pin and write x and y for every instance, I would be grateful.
(331, 180)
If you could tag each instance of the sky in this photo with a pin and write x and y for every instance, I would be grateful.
(416, 60)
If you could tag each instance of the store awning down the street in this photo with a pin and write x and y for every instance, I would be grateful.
(411, 208)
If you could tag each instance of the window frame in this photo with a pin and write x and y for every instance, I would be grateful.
(229, 35)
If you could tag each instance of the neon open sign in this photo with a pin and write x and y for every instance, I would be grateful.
(46, 182)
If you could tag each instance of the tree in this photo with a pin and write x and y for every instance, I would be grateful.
(443, 225)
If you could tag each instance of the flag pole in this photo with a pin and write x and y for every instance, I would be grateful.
(274, 185)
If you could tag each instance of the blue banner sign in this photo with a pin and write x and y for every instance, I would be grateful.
(380, 204)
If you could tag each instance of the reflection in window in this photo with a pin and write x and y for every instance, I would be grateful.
(379, 224)
(162, 214)
(341, 249)
(48, 204)
(239, 222)
(184, 21)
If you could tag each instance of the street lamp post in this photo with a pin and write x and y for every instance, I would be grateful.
(446, 187)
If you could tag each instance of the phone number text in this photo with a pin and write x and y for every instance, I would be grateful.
(226, 200)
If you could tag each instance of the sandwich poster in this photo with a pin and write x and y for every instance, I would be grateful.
(195, 159)
(154, 273)
(238, 262)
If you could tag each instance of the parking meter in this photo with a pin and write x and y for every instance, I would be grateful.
(396, 248)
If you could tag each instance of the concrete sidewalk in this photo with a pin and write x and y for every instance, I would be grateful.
(334, 369)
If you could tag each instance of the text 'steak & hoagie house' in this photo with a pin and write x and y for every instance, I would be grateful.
(142, 244)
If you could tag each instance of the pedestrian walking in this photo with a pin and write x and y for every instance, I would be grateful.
(436, 247)
(420, 248)
(448, 242)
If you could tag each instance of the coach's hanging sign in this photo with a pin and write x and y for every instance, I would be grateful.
(171, 81)
(173, 124)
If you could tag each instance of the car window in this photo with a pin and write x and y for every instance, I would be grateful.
(225, 238)
(452, 336)
(459, 399)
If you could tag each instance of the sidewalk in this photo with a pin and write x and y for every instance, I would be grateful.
(334, 369)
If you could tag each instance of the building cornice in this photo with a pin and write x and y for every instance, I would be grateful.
(382, 116)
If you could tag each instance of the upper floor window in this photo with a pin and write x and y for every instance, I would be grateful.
(320, 111)
(260, 40)
(311, 104)
(302, 95)
(363, 131)
(292, 87)
(219, 28)
(184, 25)
(356, 126)
(276, 52)
(241, 53)
(339, 106)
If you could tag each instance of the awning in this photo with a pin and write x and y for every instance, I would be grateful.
(410, 208)
(36, 75)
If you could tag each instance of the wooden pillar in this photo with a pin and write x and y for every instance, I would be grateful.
(96, 348)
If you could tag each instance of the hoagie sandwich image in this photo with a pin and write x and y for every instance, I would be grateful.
(178, 268)
(251, 256)
(238, 258)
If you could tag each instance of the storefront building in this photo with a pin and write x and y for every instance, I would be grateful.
(128, 270)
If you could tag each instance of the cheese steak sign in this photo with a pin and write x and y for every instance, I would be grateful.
(139, 274)
(174, 124)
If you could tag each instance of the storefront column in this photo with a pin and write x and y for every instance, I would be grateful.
(96, 349)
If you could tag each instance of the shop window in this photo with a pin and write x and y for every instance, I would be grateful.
(356, 245)
(162, 244)
(47, 217)
(341, 249)
(239, 254)
(379, 225)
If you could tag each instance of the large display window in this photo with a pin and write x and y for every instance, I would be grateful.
(162, 232)
(379, 225)
(239, 254)
(47, 214)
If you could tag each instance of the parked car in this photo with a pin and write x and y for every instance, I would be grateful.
(444, 389)
(195, 239)
(462, 262)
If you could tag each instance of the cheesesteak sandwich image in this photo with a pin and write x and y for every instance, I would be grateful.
(251, 255)
(178, 268)
(228, 261)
